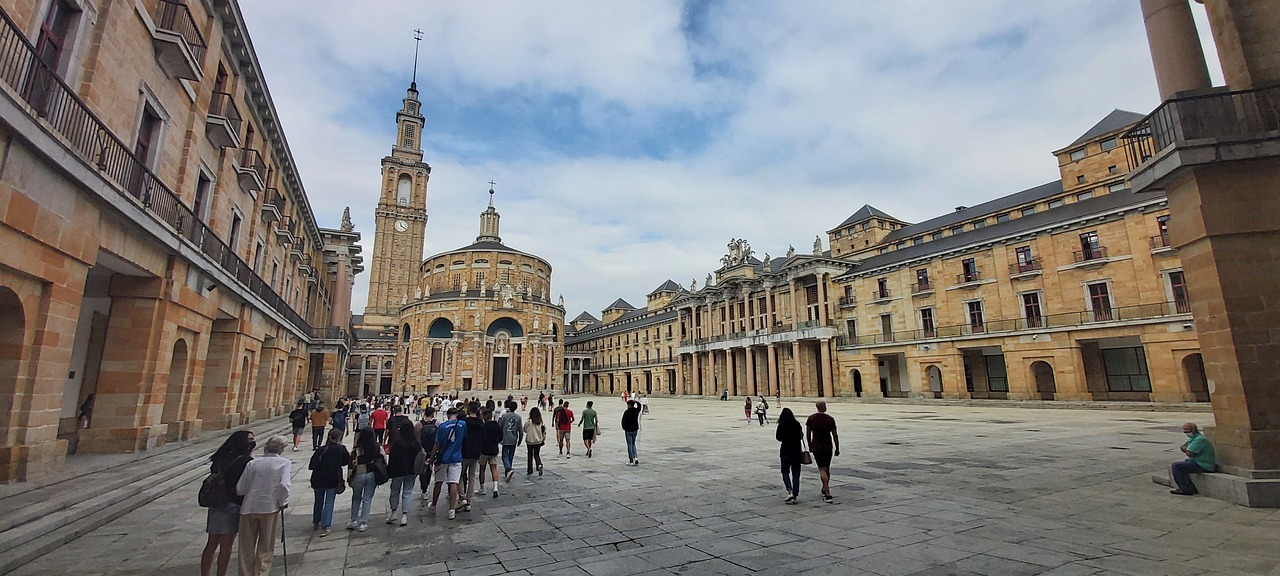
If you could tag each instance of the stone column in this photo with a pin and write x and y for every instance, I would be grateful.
(752, 381)
(795, 313)
(770, 312)
(824, 352)
(773, 369)
(1175, 47)
(695, 377)
(797, 380)
(822, 299)
(731, 372)
(711, 368)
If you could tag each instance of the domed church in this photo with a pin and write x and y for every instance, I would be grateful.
(481, 319)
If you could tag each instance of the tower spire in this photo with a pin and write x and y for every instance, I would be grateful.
(489, 222)
(417, 40)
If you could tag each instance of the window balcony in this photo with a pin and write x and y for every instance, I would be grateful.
(969, 277)
(285, 231)
(250, 170)
(222, 125)
(1090, 254)
(177, 41)
(922, 288)
(881, 294)
(272, 206)
(304, 265)
(848, 301)
(1024, 269)
(1161, 243)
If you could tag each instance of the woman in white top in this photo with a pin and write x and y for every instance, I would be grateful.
(535, 435)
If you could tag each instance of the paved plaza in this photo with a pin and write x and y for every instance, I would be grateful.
(920, 489)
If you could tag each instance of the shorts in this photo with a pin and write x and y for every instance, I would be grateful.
(225, 520)
(448, 473)
(298, 431)
(487, 459)
(562, 435)
(822, 458)
(588, 434)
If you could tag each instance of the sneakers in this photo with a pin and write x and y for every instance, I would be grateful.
(510, 474)
(588, 452)
(363, 527)
(1181, 493)
(451, 515)
(828, 499)
(495, 491)
(352, 525)
(324, 532)
(431, 508)
(295, 448)
(790, 500)
(404, 518)
(480, 490)
(425, 496)
(392, 516)
(539, 469)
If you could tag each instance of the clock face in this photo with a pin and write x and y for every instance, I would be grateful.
(401, 225)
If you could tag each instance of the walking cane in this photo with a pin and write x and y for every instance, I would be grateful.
(283, 545)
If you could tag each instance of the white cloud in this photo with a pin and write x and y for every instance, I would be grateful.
(820, 107)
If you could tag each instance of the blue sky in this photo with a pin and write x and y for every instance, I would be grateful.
(631, 140)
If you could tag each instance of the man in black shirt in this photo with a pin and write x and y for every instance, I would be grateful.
(471, 445)
(489, 451)
(298, 421)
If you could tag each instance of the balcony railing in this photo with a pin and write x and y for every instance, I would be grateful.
(1027, 267)
(1161, 241)
(921, 287)
(881, 294)
(1066, 320)
(252, 169)
(848, 301)
(272, 206)
(64, 113)
(176, 17)
(967, 277)
(1091, 253)
(224, 121)
(1239, 115)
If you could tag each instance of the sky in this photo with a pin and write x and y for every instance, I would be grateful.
(631, 140)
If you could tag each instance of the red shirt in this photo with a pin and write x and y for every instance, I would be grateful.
(379, 418)
(566, 420)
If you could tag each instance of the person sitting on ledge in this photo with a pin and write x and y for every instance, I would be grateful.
(1199, 460)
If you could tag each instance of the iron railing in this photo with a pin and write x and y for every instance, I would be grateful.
(1242, 114)
(1031, 265)
(846, 301)
(1090, 253)
(881, 294)
(1160, 241)
(84, 133)
(967, 277)
(176, 17)
(223, 105)
(250, 159)
(922, 286)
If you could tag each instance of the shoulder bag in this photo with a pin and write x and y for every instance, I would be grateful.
(379, 468)
(806, 457)
(213, 491)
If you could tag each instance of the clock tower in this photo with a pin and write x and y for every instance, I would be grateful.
(401, 218)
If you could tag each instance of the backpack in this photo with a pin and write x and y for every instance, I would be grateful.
(427, 437)
(213, 491)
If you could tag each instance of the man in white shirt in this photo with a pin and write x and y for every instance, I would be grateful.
(265, 487)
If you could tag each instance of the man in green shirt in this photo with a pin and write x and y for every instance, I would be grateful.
(588, 424)
(1199, 460)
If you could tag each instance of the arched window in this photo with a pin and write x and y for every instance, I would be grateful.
(404, 333)
(404, 189)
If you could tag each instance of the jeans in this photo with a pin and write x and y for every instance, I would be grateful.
(1180, 472)
(535, 453)
(317, 437)
(792, 481)
(322, 512)
(401, 492)
(632, 456)
(468, 483)
(508, 457)
(362, 488)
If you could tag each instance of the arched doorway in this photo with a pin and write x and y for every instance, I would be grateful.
(1197, 381)
(856, 376)
(935, 380)
(175, 390)
(1046, 386)
(12, 346)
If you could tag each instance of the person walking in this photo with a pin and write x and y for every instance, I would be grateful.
(319, 419)
(223, 523)
(265, 488)
(746, 409)
(762, 411)
(326, 475)
(791, 437)
(471, 454)
(535, 433)
(542, 400)
(589, 423)
(363, 484)
(298, 421)
(404, 452)
(564, 430)
(378, 419)
(524, 403)
(631, 428)
(490, 447)
(820, 430)
(339, 417)
(512, 432)
(448, 459)
(427, 438)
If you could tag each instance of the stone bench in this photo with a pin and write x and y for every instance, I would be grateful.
(1239, 490)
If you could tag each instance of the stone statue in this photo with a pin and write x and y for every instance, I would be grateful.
(708, 284)
(739, 253)
(535, 322)
(347, 226)
(528, 292)
(482, 288)
(817, 245)
(417, 294)
(508, 297)
(791, 250)
(464, 287)
(542, 294)
(560, 301)
(475, 320)
(457, 319)
(766, 260)
(693, 285)
(426, 290)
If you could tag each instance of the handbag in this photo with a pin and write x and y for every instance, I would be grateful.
(213, 491)
(341, 487)
(420, 462)
(806, 457)
(379, 468)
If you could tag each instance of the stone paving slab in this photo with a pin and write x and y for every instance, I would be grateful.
(921, 489)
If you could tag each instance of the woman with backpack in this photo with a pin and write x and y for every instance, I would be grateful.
(400, 467)
(535, 435)
(223, 522)
(326, 476)
(363, 484)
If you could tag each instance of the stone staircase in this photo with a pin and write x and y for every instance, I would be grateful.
(92, 490)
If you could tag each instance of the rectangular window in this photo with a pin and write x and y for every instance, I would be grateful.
(1108, 144)
(1126, 369)
(958, 230)
(480, 279)
(1113, 169)
(1024, 258)
(1117, 187)
(1057, 203)
(1002, 217)
(204, 197)
(1080, 179)
(886, 327)
(1100, 301)
(936, 236)
(976, 322)
(882, 288)
(1084, 195)
(437, 360)
(851, 327)
(148, 132)
(979, 224)
(926, 323)
(922, 279)
(1031, 311)
(275, 271)
(968, 270)
(917, 241)
(54, 29)
(457, 281)
(1077, 155)
(1090, 248)
(1029, 210)
(257, 257)
(1178, 288)
(997, 373)
(233, 239)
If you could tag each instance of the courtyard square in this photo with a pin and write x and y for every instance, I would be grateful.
(919, 489)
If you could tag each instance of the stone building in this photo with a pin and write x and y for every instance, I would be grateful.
(1068, 290)
(481, 318)
(160, 252)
